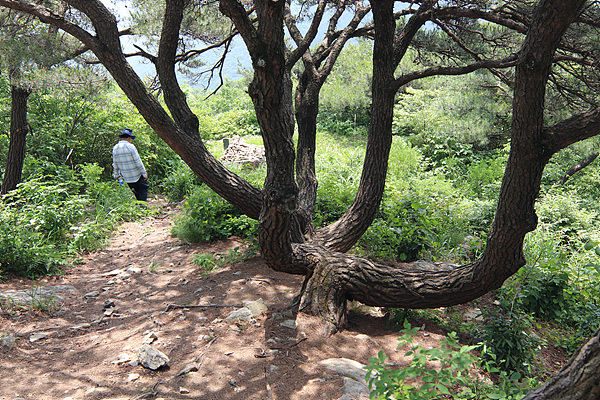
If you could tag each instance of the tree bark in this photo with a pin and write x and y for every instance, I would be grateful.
(578, 380)
(307, 108)
(577, 167)
(18, 138)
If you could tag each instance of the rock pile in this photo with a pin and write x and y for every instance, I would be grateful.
(238, 152)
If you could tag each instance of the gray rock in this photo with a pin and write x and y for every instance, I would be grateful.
(354, 389)
(133, 270)
(289, 323)
(149, 338)
(94, 293)
(187, 369)
(37, 336)
(355, 386)
(243, 314)
(346, 367)
(257, 307)
(473, 314)
(41, 294)
(8, 341)
(151, 358)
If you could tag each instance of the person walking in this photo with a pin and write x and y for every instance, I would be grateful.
(128, 166)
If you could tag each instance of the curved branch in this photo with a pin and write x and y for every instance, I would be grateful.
(237, 13)
(577, 167)
(507, 62)
(194, 53)
(165, 66)
(339, 43)
(48, 16)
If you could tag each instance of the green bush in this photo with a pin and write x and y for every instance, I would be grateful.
(179, 182)
(507, 341)
(208, 217)
(402, 232)
(48, 219)
(453, 378)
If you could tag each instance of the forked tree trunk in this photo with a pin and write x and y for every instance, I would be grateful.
(335, 278)
(18, 138)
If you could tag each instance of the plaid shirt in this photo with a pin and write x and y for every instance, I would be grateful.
(127, 163)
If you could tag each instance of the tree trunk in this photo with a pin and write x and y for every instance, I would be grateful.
(307, 108)
(18, 137)
(344, 233)
(578, 380)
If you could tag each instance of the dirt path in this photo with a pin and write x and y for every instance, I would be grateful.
(118, 297)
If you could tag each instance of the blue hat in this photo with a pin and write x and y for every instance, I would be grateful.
(127, 132)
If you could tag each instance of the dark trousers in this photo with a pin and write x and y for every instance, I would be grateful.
(140, 189)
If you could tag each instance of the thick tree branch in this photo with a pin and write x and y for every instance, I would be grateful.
(571, 130)
(165, 66)
(237, 13)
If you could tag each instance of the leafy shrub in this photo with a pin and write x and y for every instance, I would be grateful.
(208, 217)
(49, 218)
(402, 233)
(544, 296)
(179, 182)
(507, 340)
(453, 378)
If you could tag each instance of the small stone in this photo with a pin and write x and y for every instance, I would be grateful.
(134, 270)
(183, 390)
(7, 341)
(114, 272)
(94, 293)
(81, 326)
(243, 314)
(93, 391)
(346, 367)
(151, 358)
(37, 336)
(133, 377)
(289, 323)
(187, 369)
(121, 359)
(150, 338)
(108, 304)
(256, 307)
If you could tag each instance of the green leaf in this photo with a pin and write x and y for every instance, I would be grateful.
(443, 389)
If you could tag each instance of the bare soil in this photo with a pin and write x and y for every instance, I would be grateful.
(84, 358)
